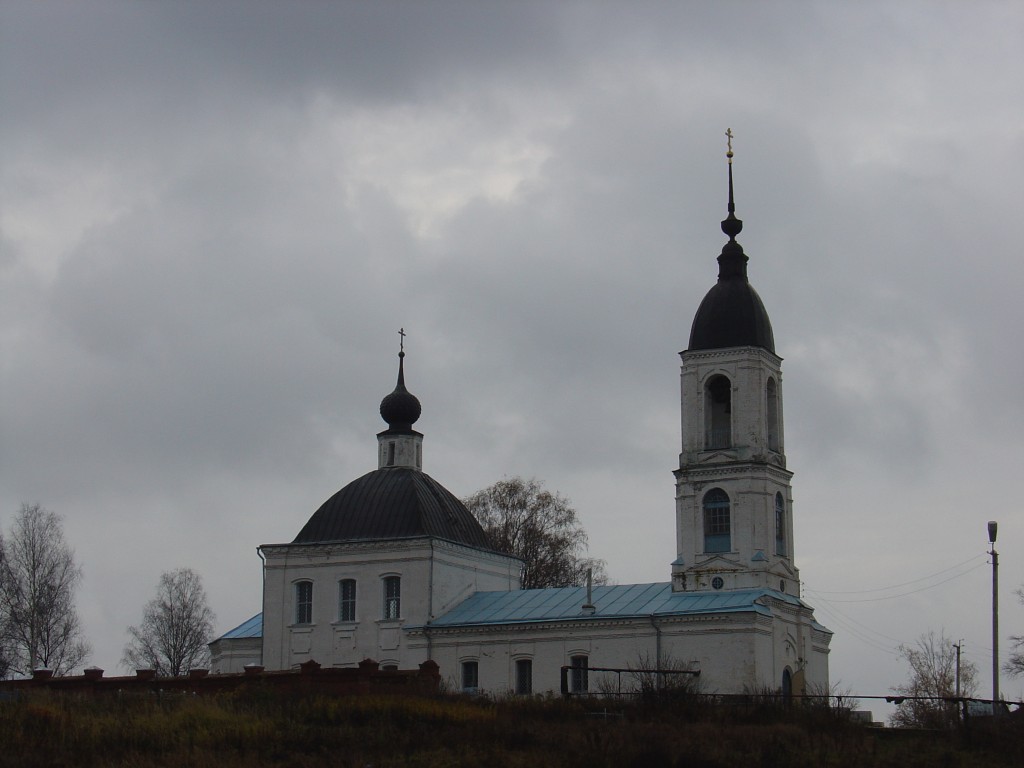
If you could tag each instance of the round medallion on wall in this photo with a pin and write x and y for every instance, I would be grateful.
(782, 585)
(717, 582)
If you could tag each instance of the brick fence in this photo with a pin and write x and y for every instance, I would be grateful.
(310, 677)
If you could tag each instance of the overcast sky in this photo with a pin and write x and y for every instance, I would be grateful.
(215, 217)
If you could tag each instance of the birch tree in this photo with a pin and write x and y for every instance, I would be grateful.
(1015, 664)
(176, 626)
(38, 580)
(541, 528)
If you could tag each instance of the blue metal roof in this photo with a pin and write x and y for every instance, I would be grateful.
(566, 603)
(251, 628)
(611, 602)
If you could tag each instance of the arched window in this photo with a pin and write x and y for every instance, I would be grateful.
(780, 524)
(772, 415)
(304, 602)
(347, 600)
(717, 529)
(392, 597)
(718, 413)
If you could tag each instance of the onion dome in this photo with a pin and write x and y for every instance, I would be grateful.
(401, 408)
(731, 314)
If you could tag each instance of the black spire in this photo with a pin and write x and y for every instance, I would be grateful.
(732, 262)
(731, 314)
(401, 408)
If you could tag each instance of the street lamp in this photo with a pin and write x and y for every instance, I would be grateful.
(992, 528)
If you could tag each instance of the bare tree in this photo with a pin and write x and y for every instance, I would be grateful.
(932, 662)
(540, 527)
(38, 579)
(6, 651)
(1014, 666)
(176, 626)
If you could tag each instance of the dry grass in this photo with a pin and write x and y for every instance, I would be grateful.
(270, 730)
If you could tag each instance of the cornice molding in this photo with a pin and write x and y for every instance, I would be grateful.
(694, 472)
(733, 353)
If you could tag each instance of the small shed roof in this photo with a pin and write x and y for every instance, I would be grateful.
(250, 628)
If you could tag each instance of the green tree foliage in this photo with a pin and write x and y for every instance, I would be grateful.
(176, 626)
(932, 661)
(38, 578)
(541, 528)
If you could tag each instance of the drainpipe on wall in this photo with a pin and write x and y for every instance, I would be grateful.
(657, 649)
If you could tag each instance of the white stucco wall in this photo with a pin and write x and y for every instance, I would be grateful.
(435, 575)
(734, 653)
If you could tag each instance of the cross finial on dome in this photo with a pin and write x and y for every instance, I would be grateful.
(401, 408)
(731, 225)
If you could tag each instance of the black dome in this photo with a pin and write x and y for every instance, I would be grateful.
(401, 408)
(732, 315)
(393, 503)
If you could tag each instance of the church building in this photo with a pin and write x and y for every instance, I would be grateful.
(394, 568)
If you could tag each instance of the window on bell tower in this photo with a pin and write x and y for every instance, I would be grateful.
(772, 415)
(718, 413)
(717, 527)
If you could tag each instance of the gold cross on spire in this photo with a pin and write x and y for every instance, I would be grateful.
(728, 134)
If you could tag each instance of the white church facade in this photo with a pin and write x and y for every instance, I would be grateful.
(394, 568)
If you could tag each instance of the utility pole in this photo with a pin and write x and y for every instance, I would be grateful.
(992, 529)
(958, 646)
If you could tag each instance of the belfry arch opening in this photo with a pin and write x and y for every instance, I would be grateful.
(772, 414)
(718, 413)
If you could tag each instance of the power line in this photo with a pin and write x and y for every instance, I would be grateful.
(903, 584)
(901, 594)
(858, 630)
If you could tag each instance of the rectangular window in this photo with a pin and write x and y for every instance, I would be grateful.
(470, 676)
(580, 682)
(304, 602)
(524, 677)
(347, 600)
(392, 597)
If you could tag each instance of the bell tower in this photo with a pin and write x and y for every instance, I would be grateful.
(734, 525)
